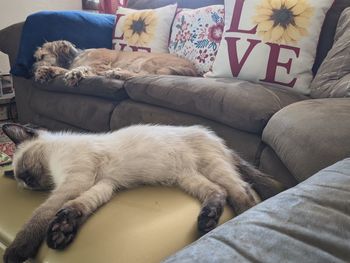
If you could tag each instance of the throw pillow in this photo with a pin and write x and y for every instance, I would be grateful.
(196, 35)
(333, 77)
(143, 4)
(143, 30)
(271, 41)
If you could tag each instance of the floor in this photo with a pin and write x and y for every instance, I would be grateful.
(6, 145)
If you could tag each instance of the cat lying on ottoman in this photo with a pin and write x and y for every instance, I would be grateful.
(83, 171)
(63, 58)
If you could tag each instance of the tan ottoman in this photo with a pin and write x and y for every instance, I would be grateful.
(144, 225)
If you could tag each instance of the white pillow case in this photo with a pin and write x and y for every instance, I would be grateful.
(271, 41)
(196, 35)
(143, 30)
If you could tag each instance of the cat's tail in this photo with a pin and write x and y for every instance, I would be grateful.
(265, 185)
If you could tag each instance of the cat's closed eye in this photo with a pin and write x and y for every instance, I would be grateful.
(28, 179)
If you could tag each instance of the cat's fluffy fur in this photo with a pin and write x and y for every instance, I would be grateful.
(85, 170)
(63, 58)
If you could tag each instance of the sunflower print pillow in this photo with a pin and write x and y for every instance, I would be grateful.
(271, 41)
(143, 30)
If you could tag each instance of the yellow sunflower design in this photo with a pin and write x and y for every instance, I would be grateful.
(139, 27)
(283, 21)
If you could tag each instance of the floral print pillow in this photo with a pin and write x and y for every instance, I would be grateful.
(143, 30)
(196, 35)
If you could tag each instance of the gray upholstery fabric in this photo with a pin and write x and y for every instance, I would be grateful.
(9, 41)
(129, 112)
(333, 77)
(309, 223)
(23, 88)
(88, 113)
(248, 145)
(146, 4)
(271, 164)
(54, 125)
(95, 86)
(310, 135)
(73, 113)
(328, 31)
(240, 104)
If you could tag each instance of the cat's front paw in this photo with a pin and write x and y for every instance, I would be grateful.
(209, 217)
(74, 76)
(44, 74)
(63, 228)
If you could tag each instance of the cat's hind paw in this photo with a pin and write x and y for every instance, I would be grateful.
(209, 217)
(63, 228)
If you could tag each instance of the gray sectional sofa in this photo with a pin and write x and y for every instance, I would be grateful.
(287, 135)
(309, 223)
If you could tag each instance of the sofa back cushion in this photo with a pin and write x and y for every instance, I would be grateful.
(146, 4)
(328, 31)
(333, 77)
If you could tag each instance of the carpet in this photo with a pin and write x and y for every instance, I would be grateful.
(7, 148)
(6, 145)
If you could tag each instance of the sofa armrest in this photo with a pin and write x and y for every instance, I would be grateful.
(10, 40)
(310, 135)
(308, 223)
(333, 77)
(332, 86)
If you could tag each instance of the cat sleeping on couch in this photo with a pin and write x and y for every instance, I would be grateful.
(83, 171)
(63, 58)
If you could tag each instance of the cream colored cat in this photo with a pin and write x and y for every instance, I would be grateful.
(84, 171)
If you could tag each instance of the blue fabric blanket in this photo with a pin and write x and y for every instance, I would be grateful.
(85, 30)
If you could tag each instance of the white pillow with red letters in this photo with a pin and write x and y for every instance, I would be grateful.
(143, 30)
(271, 41)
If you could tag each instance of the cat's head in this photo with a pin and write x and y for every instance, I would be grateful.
(29, 161)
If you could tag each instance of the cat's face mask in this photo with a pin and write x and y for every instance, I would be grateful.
(30, 173)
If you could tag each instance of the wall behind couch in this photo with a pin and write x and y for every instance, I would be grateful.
(14, 11)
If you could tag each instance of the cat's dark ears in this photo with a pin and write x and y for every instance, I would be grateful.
(18, 133)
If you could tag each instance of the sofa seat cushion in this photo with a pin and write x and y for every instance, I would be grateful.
(310, 135)
(240, 104)
(130, 228)
(129, 112)
(102, 87)
(309, 223)
(83, 112)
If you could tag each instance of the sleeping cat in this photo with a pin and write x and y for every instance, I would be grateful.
(83, 171)
(63, 58)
